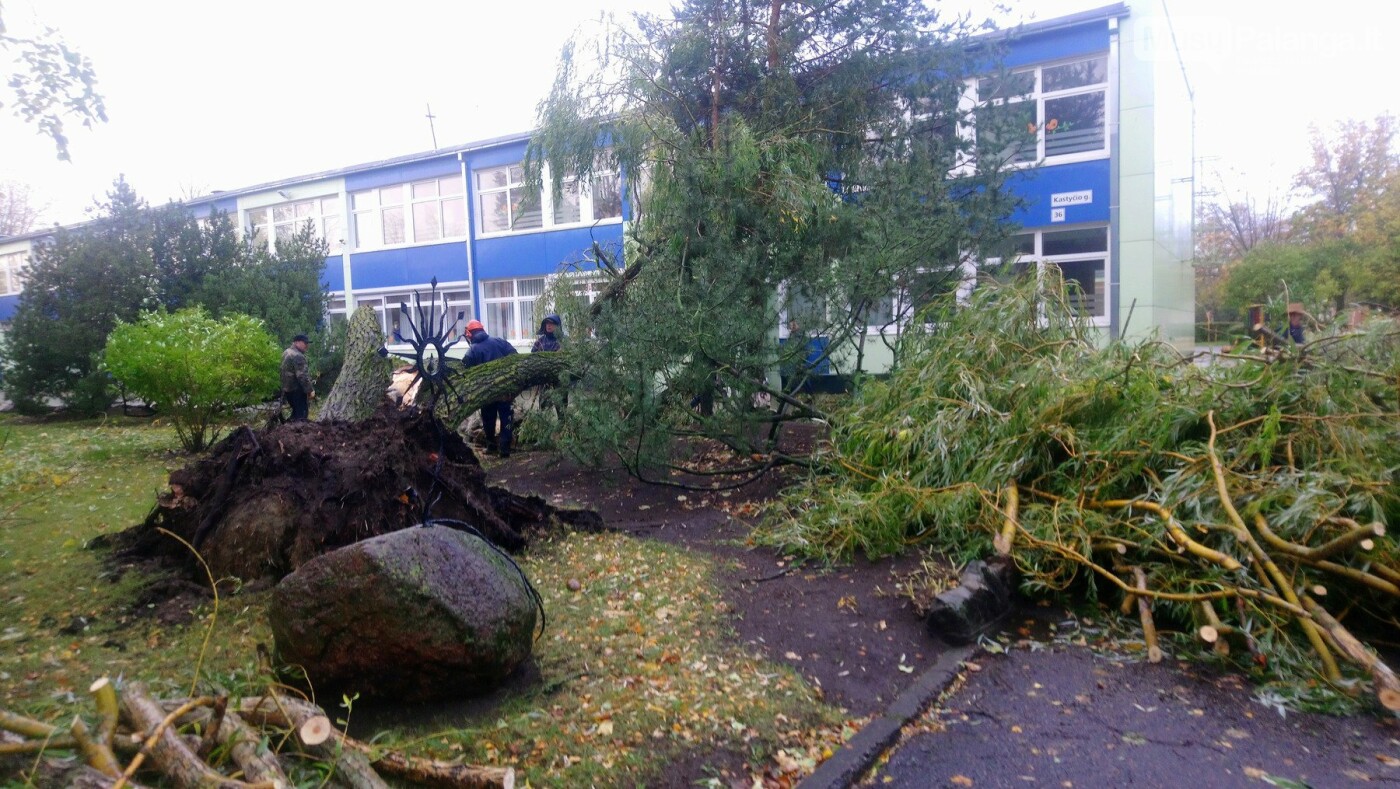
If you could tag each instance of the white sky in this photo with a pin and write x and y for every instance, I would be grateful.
(208, 96)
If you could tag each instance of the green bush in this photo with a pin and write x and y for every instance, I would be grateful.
(195, 368)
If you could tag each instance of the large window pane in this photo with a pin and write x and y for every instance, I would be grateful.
(500, 318)
(1074, 124)
(1084, 279)
(607, 196)
(566, 205)
(1074, 242)
(1093, 71)
(332, 234)
(1010, 86)
(393, 225)
(426, 226)
(367, 235)
(495, 212)
(525, 210)
(1007, 133)
(454, 218)
(495, 178)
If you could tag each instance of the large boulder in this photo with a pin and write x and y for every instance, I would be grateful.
(418, 614)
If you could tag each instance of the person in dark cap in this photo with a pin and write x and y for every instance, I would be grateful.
(485, 348)
(296, 382)
(549, 334)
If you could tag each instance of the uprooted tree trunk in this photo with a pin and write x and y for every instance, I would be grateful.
(262, 503)
(502, 379)
(359, 389)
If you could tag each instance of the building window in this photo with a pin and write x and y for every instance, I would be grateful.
(274, 224)
(421, 212)
(439, 210)
(11, 272)
(386, 306)
(508, 306)
(1080, 254)
(505, 206)
(1047, 113)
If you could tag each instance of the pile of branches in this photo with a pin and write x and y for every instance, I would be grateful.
(1244, 501)
(212, 740)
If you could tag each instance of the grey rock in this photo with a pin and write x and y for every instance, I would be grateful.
(419, 614)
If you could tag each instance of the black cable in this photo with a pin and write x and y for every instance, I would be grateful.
(472, 530)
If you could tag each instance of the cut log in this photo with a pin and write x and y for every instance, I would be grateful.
(211, 727)
(350, 767)
(104, 695)
(1387, 686)
(95, 752)
(315, 730)
(292, 713)
(164, 745)
(258, 766)
(1149, 627)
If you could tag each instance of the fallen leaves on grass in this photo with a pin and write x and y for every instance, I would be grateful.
(638, 673)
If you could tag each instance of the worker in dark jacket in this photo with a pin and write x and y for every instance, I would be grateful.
(485, 348)
(549, 334)
(549, 342)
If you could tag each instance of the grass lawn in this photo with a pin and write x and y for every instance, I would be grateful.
(637, 667)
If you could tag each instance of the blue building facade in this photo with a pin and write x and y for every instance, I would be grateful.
(1105, 173)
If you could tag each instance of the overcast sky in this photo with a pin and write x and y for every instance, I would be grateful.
(207, 96)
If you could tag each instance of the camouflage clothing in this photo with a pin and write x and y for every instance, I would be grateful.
(294, 375)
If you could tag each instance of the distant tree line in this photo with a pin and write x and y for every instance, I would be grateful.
(133, 259)
(1341, 249)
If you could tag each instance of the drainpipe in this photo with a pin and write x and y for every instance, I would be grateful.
(471, 234)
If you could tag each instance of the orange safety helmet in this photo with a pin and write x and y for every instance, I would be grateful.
(473, 325)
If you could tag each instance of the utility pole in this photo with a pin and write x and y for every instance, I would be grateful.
(431, 128)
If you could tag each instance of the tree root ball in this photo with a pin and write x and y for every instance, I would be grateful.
(262, 503)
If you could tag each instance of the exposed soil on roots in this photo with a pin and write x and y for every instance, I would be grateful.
(262, 503)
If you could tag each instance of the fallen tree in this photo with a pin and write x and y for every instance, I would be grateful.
(1244, 502)
(260, 741)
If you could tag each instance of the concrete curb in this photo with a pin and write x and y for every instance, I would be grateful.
(847, 765)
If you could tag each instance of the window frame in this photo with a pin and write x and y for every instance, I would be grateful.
(584, 189)
(265, 233)
(359, 210)
(515, 300)
(12, 264)
(1039, 260)
(1040, 97)
(459, 299)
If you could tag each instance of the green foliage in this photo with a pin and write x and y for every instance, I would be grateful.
(1007, 392)
(776, 167)
(134, 258)
(195, 367)
(1276, 274)
(282, 288)
(76, 288)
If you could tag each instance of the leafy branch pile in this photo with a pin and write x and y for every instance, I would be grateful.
(216, 741)
(1248, 499)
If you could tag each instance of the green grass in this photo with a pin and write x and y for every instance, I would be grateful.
(637, 667)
